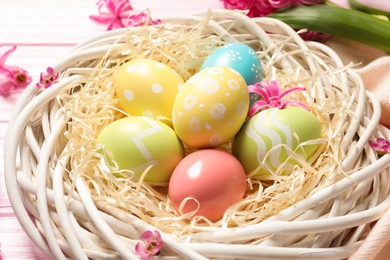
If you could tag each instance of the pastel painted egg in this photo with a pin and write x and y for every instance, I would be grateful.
(211, 179)
(136, 142)
(275, 129)
(240, 57)
(211, 107)
(147, 88)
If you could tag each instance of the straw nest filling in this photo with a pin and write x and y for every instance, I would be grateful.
(91, 104)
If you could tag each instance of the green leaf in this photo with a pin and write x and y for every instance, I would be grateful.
(339, 21)
(354, 4)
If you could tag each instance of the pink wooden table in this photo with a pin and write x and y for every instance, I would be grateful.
(44, 31)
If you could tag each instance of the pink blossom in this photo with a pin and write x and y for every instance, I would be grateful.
(142, 18)
(12, 76)
(7, 82)
(21, 76)
(381, 146)
(120, 14)
(47, 79)
(272, 95)
(113, 13)
(258, 8)
(240, 5)
(279, 4)
(150, 245)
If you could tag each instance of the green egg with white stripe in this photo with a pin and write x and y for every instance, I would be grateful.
(138, 142)
(264, 142)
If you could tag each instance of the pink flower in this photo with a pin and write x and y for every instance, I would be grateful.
(258, 8)
(279, 4)
(142, 18)
(7, 82)
(272, 94)
(47, 79)
(150, 245)
(381, 146)
(21, 76)
(113, 13)
(12, 76)
(120, 14)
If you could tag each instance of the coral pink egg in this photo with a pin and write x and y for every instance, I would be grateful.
(215, 179)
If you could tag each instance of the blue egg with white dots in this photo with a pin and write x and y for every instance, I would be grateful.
(241, 58)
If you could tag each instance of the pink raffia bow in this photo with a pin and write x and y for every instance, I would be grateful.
(272, 95)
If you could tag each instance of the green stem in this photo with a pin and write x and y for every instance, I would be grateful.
(354, 4)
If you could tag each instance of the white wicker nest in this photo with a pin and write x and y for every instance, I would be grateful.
(329, 224)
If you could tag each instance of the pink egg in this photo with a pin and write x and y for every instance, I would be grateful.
(215, 179)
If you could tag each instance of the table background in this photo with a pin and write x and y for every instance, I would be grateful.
(44, 31)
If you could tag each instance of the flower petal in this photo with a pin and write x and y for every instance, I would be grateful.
(7, 83)
(21, 77)
(289, 90)
(272, 96)
(50, 70)
(47, 79)
(146, 236)
(4, 57)
(380, 146)
(278, 4)
(102, 18)
(115, 24)
(111, 6)
(259, 90)
(123, 7)
(257, 106)
(157, 235)
(382, 141)
(140, 248)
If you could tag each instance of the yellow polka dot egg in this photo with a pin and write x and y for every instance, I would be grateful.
(148, 88)
(211, 107)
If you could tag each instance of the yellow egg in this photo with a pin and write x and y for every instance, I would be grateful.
(147, 88)
(211, 107)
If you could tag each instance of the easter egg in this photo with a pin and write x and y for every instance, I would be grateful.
(240, 57)
(272, 130)
(212, 180)
(147, 88)
(211, 107)
(136, 142)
